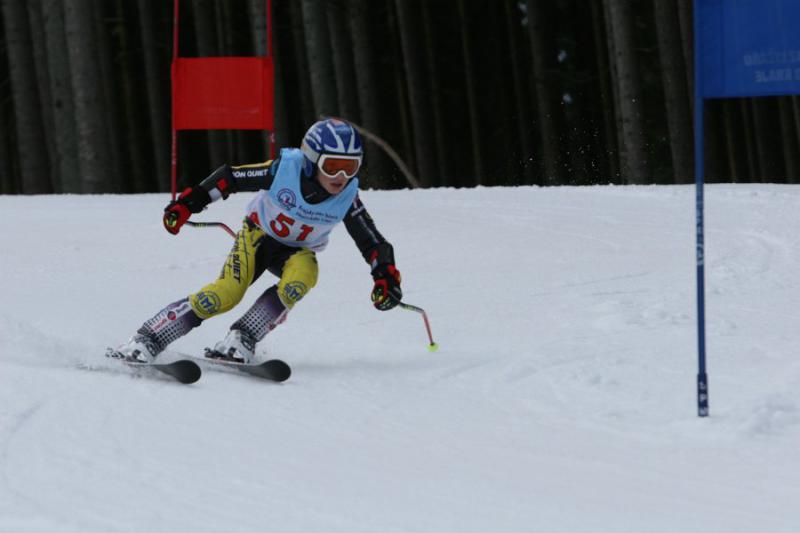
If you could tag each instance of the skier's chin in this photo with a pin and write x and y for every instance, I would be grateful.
(335, 186)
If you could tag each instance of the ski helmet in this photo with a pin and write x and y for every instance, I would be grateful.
(329, 136)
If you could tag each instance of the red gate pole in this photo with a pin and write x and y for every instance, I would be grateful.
(271, 136)
(174, 160)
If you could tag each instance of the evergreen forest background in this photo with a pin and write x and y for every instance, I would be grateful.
(468, 92)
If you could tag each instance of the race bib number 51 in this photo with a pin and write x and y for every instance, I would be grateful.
(284, 227)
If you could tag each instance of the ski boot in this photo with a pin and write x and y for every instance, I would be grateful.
(238, 346)
(139, 349)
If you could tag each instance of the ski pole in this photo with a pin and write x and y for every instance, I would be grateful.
(173, 218)
(212, 224)
(432, 346)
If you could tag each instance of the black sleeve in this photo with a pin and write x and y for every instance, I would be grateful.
(228, 179)
(374, 248)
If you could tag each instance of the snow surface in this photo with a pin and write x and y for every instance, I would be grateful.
(562, 398)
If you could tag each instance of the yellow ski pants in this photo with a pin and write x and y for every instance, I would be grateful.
(252, 253)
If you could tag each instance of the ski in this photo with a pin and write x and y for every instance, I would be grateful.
(183, 370)
(272, 370)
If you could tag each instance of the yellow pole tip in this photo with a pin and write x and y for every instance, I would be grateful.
(433, 347)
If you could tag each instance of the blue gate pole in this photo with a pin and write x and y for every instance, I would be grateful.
(699, 169)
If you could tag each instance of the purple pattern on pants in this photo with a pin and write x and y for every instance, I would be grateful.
(265, 314)
(174, 321)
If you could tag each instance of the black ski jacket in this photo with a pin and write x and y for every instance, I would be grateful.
(228, 179)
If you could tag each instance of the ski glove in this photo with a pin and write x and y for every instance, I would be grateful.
(386, 292)
(177, 212)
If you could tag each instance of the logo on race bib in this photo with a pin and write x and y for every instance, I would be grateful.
(287, 199)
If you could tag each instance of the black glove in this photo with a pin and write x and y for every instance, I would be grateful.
(177, 212)
(386, 292)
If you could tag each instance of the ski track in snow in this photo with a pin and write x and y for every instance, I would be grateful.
(562, 397)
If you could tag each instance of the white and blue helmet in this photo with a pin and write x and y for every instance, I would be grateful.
(329, 136)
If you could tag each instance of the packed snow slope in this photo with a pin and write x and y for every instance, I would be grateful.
(562, 398)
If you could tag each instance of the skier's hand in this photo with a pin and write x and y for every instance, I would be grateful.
(386, 292)
(177, 212)
(175, 216)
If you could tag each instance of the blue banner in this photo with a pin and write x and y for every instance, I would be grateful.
(742, 48)
(747, 47)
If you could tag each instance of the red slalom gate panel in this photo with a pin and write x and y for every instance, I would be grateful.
(221, 93)
(218, 93)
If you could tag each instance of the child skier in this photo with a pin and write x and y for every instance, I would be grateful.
(301, 196)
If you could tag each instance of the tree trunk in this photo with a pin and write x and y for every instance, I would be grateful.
(31, 143)
(90, 113)
(731, 126)
(366, 81)
(39, 43)
(118, 176)
(789, 139)
(546, 113)
(576, 122)
(342, 52)
(472, 97)
(320, 63)
(432, 72)
(687, 45)
(634, 163)
(257, 15)
(8, 182)
(524, 145)
(769, 163)
(795, 106)
(612, 73)
(136, 158)
(607, 92)
(306, 106)
(64, 132)
(156, 85)
(403, 129)
(749, 145)
(714, 147)
(796, 111)
(502, 164)
(225, 26)
(418, 91)
(673, 75)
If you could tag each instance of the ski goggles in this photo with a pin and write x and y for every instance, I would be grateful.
(331, 164)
